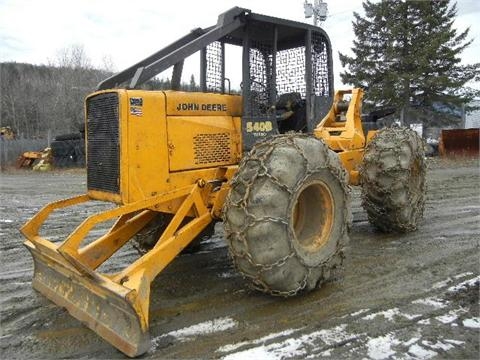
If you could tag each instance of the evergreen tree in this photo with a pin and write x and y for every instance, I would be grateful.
(407, 54)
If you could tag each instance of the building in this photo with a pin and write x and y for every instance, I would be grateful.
(472, 119)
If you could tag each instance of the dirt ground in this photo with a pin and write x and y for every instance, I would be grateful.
(399, 296)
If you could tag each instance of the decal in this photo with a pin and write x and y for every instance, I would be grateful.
(259, 126)
(136, 111)
(136, 101)
(201, 107)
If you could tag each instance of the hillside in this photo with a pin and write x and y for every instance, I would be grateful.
(36, 99)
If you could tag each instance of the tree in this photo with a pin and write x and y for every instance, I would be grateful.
(37, 100)
(407, 54)
(73, 56)
(74, 79)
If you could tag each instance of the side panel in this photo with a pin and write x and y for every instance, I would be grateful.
(146, 165)
(196, 142)
(149, 158)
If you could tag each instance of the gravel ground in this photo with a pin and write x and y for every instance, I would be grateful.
(399, 296)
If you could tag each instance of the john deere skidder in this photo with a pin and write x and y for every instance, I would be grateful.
(273, 163)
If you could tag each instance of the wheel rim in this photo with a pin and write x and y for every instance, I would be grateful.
(312, 216)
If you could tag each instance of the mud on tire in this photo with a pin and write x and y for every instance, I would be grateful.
(392, 177)
(287, 214)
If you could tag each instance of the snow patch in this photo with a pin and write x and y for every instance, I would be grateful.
(285, 349)
(332, 336)
(390, 314)
(326, 353)
(472, 323)
(464, 284)
(411, 341)
(431, 301)
(356, 313)
(463, 275)
(447, 318)
(294, 347)
(256, 353)
(411, 317)
(420, 352)
(207, 327)
(6, 221)
(441, 284)
(438, 345)
(454, 342)
(204, 328)
(451, 316)
(263, 340)
(381, 347)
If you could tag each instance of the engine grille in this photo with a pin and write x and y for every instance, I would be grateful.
(211, 148)
(103, 161)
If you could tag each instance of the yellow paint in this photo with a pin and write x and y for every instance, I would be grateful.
(351, 160)
(343, 132)
(370, 135)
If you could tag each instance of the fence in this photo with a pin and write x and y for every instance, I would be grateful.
(10, 150)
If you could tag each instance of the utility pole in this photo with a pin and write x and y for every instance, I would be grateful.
(318, 10)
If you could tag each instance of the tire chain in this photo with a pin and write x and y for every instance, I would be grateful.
(395, 137)
(257, 154)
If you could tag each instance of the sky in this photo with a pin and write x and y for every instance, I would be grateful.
(123, 32)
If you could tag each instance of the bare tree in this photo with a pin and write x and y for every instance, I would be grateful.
(72, 56)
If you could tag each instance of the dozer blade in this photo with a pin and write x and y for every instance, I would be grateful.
(114, 305)
(103, 305)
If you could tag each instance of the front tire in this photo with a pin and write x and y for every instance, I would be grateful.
(287, 213)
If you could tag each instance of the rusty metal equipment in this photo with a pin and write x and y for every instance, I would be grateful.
(27, 159)
(262, 162)
(459, 142)
(41, 159)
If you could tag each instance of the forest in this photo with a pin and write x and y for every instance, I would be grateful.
(36, 99)
(40, 101)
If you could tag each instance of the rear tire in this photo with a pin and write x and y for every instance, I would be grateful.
(392, 177)
(287, 213)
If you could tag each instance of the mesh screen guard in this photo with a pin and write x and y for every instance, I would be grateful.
(292, 68)
(321, 66)
(103, 148)
(215, 65)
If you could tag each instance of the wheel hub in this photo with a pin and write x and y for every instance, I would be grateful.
(313, 216)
